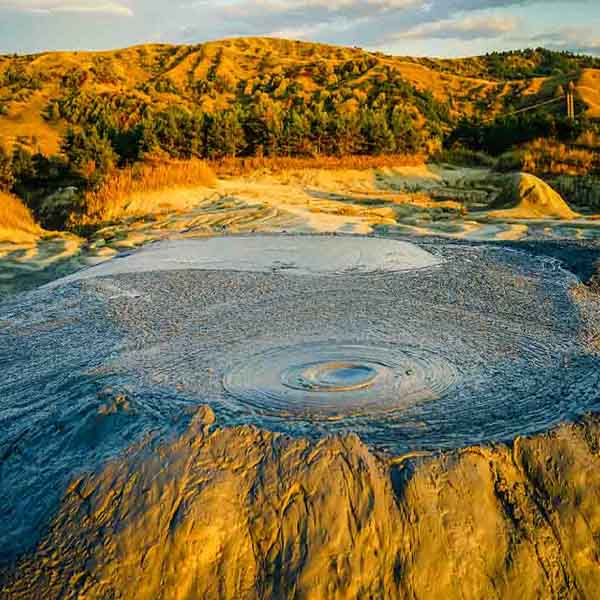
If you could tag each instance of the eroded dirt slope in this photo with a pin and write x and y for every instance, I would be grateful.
(240, 513)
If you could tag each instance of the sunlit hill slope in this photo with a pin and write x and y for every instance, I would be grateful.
(41, 95)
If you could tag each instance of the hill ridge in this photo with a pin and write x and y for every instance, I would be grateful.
(216, 74)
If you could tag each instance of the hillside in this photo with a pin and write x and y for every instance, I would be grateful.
(41, 95)
(16, 221)
(72, 120)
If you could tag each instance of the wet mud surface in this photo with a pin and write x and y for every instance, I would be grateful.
(481, 344)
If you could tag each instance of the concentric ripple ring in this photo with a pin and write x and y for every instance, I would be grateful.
(330, 376)
(411, 346)
(327, 381)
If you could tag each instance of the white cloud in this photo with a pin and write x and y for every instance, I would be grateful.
(577, 39)
(466, 28)
(68, 6)
(310, 8)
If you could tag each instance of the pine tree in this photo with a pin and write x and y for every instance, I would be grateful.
(89, 154)
(406, 137)
(319, 128)
(296, 134)
(225, 134)
(23, 166)
(376, 134)
(7, 179)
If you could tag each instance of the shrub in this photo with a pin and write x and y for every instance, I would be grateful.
(14, 215)
(7, 178)
(549, 157)
(464, 157)
(511, 161)
(108, 201)
(90, 155)
(589, 139)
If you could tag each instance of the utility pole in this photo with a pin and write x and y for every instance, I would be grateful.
(571, 101)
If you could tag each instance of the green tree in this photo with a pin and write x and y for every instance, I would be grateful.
(296, 134)
(344, 134)
(406, 136)
(23, 165)
(90, 155)
(376, 134)
(225, 134)
(320, 128)
(7, 178)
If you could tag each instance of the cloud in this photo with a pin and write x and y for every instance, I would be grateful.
(313, 11)
(337, 5)
(466, 28)
(401, 26)
(575, 39)
(368, 23)
(67, 6)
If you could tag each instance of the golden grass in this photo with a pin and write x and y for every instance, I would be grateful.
(549, 157)
(111, 200)
(24, 124)
(234, 167)
(247, 60)
(16, 220)
(589, 139)
(588, 88)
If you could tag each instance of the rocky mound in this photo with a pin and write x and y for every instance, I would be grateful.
(241, 513)
(528, 197)
(116, 485)
(411, 360)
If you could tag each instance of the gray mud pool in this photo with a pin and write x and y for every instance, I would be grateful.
(412, 347)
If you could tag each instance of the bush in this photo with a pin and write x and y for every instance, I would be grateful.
(90, 155)
(549, 157)
(589, 139)
(109, 200)
(464, 157)
(7, 178)
(14, 215)
(511, 161)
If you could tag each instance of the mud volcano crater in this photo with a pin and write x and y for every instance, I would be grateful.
(337, 380)
(425, 346)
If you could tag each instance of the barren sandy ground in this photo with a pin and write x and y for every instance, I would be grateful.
(164, 503)
(423, 201)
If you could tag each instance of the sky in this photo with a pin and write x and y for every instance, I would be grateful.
(404, 27)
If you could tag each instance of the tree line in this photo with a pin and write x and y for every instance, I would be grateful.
(505, 133)
(92, 151)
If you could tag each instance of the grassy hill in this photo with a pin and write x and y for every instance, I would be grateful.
(42, 95)
(84, 121)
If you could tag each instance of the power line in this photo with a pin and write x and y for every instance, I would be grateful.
(526, 109)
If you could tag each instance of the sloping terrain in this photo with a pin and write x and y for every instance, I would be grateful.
(16, 221)
(488, 343)
(528, 197)
(248, 514)
(588, 87)
(41, 94)
(421, 200)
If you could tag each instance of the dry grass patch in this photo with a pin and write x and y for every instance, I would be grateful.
(114, 197)
(544, 156)
(16, 221)
(549, 157)
(235, 167)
